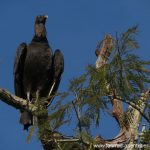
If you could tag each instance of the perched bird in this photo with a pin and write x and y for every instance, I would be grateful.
(37, 72)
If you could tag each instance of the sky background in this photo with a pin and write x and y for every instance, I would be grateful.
(75, 27)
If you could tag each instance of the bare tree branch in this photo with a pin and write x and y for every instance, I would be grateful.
(15, 101)
(139, 107)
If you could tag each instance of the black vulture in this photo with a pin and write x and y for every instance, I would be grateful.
(36, 70)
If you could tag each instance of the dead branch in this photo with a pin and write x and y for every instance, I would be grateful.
(138, 106)
(15, 101)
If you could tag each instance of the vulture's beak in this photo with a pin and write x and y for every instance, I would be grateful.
(46, 16)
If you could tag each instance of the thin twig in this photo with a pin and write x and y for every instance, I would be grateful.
(80, 127)
(79, 121)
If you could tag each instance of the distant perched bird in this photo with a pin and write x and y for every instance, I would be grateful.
(37, 73)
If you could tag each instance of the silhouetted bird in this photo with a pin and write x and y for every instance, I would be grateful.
(37, 72)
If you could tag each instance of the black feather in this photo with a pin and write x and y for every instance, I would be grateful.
(58, 68)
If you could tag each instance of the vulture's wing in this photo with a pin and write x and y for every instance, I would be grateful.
(18, 69)
(58, 64)
(57, 69)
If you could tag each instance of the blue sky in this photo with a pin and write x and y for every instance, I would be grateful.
(74, 26)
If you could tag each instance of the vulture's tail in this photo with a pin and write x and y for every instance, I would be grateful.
(26, 119)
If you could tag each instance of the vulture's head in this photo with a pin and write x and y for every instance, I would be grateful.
(40, 29)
